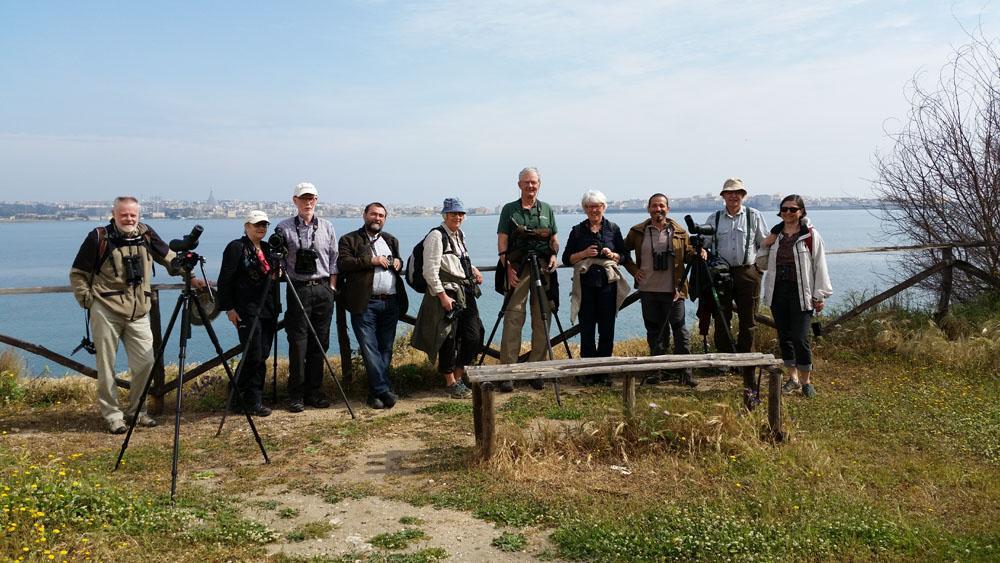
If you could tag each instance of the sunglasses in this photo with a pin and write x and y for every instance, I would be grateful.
(789, 209)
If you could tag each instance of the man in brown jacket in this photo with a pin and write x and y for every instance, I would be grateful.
(375, 295)
(111, 278)
(662, 248)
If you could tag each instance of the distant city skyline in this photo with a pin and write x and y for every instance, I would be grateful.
(416, 101)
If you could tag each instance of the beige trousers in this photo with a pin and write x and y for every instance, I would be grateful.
(108, 329)
(513, 323)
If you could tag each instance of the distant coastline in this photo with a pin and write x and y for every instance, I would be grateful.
(158, 209)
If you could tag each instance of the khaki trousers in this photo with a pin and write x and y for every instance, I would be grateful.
(108, 329)
(513, 323)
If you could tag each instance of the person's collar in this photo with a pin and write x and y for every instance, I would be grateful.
(449, 229)
(307, 222)
(739, 211)
(523, 204)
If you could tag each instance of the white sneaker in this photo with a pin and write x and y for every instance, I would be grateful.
(117, 426)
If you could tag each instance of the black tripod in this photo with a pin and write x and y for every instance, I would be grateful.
(186, 260)
(254, 327)
(319, 344)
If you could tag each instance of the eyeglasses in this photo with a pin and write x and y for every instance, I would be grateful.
(789, 209)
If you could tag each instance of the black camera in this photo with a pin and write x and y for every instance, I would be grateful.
(661, 259)
(305, 261)
(278, 244)
(187, 242)
(133, 269)
(698, 230)
(456, 310)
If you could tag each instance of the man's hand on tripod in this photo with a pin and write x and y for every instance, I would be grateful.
(197, 282)
(234, 317)
(553, 264)
(512, 279)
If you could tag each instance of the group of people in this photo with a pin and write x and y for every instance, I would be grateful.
(112, 272)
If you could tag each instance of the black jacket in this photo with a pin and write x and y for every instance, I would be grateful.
(241, 282)
(356, 272)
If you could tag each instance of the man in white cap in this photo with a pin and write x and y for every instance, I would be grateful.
(739, 233)
(311, 268)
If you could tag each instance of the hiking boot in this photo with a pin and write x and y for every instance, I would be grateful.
(808, 391)
(537, 384)
(375, 403)
(144, 420)
(506, 386)
(296, 405)
(688, 378)
(117, 426)
(260, 410)
(791, 386)
(458, 390)
(318, 402)
(388, 399)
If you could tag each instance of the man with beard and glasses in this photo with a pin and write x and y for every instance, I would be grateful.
(111, 278)
(662, 249)
(375, 295)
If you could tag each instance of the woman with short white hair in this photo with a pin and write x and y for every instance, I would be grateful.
(594, 249)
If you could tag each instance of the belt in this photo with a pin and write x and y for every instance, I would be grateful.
(383, 297)
(307, 283)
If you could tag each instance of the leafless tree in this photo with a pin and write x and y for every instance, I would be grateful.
(940, 182)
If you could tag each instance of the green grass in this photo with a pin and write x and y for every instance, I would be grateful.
(510, 542)
(398, 540)
(452, 408)
(310, 531)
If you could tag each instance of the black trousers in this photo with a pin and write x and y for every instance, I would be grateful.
(662, 316)
(305, 357)
(254, 371)
(465, 341)
(598, 309)
(793, 326)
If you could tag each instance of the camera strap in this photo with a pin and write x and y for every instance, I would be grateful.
(298, 233)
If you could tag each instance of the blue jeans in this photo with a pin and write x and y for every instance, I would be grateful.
(375, 330)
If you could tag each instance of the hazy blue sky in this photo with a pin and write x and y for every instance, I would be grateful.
(413, 101)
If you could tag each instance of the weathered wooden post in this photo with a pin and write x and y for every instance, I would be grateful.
(628, 395)
(944, 301)
(159, 377)
(344, 342)
(477, 412)
(774, 403)
(488, 445)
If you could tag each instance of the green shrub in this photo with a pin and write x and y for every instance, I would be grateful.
(11, 390)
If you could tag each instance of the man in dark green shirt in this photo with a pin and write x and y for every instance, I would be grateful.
(526, 225)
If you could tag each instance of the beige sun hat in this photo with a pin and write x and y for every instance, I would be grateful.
(733, 185)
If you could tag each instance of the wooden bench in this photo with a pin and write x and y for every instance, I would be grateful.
(484, 379)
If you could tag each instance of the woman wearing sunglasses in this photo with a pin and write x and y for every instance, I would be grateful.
(796, 283)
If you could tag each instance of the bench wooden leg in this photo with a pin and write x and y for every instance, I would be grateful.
(628, 395)
(488, 444)
(477, 412)
(774, 403)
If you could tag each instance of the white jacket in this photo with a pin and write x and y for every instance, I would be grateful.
(810, 270)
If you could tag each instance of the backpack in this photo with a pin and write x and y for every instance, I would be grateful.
(103, 252)
(415, 263)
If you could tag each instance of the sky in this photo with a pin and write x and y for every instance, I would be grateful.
(412, 102)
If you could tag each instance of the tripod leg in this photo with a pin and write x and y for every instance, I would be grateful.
(181, 355)
(274, 366)
(232, 380)
(569, 354)
(145, 391)
(496, 325)
(312, 330)
(539, 295)
(234, 387)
